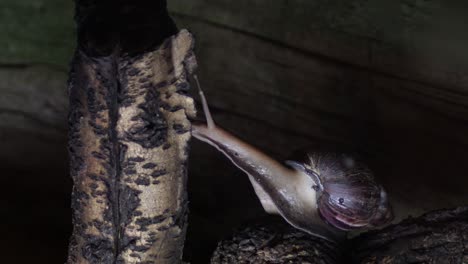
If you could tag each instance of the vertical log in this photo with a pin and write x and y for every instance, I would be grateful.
(93, 163)
(129, 133)
(153, 132)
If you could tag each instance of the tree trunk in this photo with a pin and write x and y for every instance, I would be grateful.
(128, 137)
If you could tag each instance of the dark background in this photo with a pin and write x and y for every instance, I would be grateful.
(387, 78)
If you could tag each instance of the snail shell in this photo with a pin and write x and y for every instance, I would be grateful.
(348, 197)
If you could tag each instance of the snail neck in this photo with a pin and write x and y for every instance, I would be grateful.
(262, 168)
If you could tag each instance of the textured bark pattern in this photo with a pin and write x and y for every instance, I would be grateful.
(439, 237)
(154, 130)
(93, 167)
(275, 243)
(128, 146)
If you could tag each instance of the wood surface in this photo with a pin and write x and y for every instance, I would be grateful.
(436, 237)
(275, 243)
(128, 145)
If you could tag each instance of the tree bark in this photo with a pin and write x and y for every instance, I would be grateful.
(437, 237)
(128, 138)
(275, 243)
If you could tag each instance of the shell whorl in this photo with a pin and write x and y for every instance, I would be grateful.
(348, 196)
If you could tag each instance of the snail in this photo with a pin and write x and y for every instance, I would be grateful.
(326, 196)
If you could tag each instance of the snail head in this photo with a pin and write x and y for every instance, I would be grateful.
(348, 197)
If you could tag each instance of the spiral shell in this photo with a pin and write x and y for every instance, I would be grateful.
(348, 196)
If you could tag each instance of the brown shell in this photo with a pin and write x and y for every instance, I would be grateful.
(349, 197)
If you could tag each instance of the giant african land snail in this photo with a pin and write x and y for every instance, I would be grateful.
(329, 194)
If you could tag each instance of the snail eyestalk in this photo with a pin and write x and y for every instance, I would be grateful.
(209, 120)
(325, 196)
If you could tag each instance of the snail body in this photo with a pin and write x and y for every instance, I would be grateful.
(326, 196)
(281, 190)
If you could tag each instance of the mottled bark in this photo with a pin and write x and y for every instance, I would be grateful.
(128, 145)
(437, 237)
(275, 243)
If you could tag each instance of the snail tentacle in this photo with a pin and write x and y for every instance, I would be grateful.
(209, 119)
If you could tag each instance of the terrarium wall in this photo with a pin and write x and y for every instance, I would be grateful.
(387, 79)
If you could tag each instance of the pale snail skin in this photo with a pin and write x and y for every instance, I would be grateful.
(289, 192)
